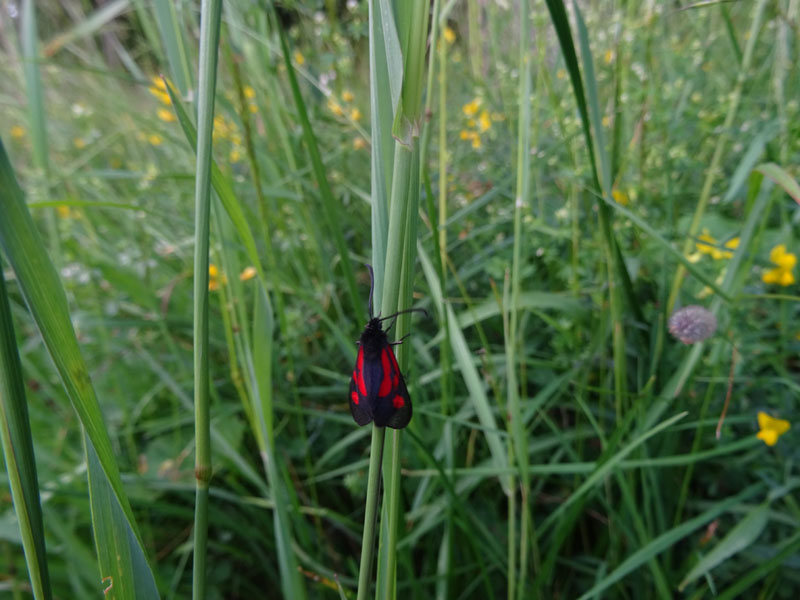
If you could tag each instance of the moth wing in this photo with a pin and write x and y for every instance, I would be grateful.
(359, 404)
(392, 406)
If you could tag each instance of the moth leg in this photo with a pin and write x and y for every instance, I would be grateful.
(400, 341)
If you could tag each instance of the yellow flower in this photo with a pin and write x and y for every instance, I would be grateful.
(471, 108)
(252, 108)
(299, 58)
(213, 285)
(785, 260)
(470, 122)
(708, 245)
(609, 56)
(347, 96)
(235, 155)
(449, 35)
(476, 141)
(249, 92)
(782, 273)
(63, 211)
(484, 122)
(464, 134)
(770, 428)
(17, 132)
(732, 244)
(561, 74)
(359, 143)
(619, 196)
(248, 273)
(335, 108)
(159, 90)
(606, 121)
(165, 115)
(213, 271)
(355, 115)
(155, 139)
(79, 143)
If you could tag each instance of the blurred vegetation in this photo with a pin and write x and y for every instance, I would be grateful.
(614, 480)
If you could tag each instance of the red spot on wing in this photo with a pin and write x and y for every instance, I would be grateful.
(358, 374)
(354, 397)
(386, 379)
(398, 402)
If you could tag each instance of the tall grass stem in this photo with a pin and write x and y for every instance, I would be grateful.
(210, 15)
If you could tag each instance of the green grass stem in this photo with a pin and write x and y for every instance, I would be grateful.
(210, 16)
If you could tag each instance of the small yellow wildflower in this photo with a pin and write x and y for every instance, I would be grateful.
(731, 244)
(159, 90)
(770, 428)
(471, 108)
(79, 143)
(299, 58)
(213, 270)
(609, 56)
(249, 92)
(165, 115)
(561, 74)
(606, 121)
(359, 143)
(464, 134)
(484, 122)
(347, 96)
(17, 132)
(235, 155)
(620, 197)
(335, 108)
(248, 273)
(782, 273)
(155, 139)
(63, 211)
(449, 35)
(471, 123)
(253, 108)
(706, 244)
(355, 115)
(213, 285)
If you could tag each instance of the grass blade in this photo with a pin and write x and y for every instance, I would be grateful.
(172, 37)
(17, 441)
(328, 200)
(47, 303)
(740, 537)
(87, 27)
(210, 16)
(668, 540)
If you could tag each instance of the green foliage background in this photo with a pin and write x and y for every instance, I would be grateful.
(563, 443)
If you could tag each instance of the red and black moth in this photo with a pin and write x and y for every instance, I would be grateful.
(377, 389)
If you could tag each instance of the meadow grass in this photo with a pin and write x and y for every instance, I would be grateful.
(184, 247)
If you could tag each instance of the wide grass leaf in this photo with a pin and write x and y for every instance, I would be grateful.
(740, 537)
(17, 440)
(47, 303)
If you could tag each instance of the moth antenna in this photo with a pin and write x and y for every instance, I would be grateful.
(371, 288)
(407, 310)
